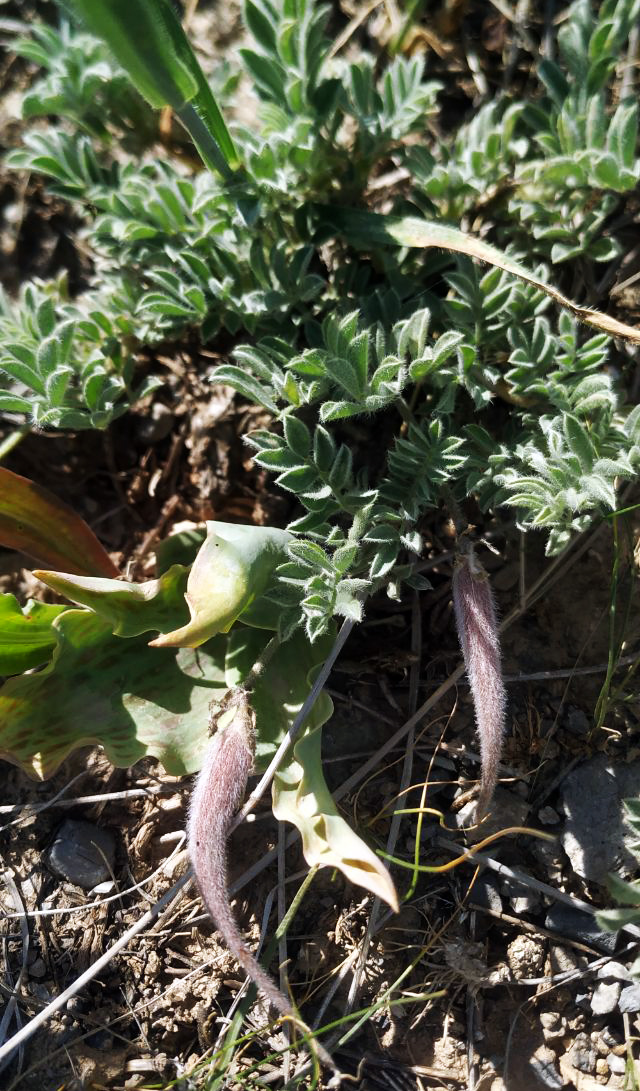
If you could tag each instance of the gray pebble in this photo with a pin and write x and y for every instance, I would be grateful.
(594, 835)
(582, 1055)
(526, 903)
(543, 1063)
(617, 1065)
(613, 971)
(486, 894)
(37, 968)
(605, 997)
(630, 999)
(82, 853)
(577, 722)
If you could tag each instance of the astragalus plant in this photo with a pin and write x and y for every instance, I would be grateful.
(394, 295)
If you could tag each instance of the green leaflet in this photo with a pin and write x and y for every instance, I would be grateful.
(26, 636)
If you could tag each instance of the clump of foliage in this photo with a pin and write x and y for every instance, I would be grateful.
(177, 251)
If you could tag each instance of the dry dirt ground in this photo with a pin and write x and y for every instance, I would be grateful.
(529, 993)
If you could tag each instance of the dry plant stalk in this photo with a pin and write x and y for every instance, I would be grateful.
(479, 638)
(218, 793)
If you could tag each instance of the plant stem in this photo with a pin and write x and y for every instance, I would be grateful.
(296, 726)
(261, 663)
(13, 439)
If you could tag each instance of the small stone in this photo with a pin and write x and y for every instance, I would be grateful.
(553, 1025)
(548, 817)
(82, 853)
(613, 971)
(594, 835)
(525, 903)
(579, 926)
(617, 1065)
(507, 809)
(37, 968)
(582, 1055)
(609, 1038)
(629, 999)
(602, 1068)
(601, 1047)
(485, 893)
(605, 997)
(543, 1063)
(563, 959)
(577, 722)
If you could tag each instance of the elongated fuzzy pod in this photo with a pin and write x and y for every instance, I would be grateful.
(219, 790)
(480, 642)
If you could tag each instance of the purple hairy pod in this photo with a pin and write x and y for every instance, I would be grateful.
(218, 793)
(479, 638)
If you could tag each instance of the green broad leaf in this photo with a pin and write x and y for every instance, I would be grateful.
(297, 435)
(312, 555)
(606, 172)
(262, 613)
(233, 567)
(133, 700)
(622, 136)
(578, 441)
(362, 228)
(180, 548)
(130, 608)
(301, 796)
(14, 403)
(26, 636)
(35, 522)
(300, 792)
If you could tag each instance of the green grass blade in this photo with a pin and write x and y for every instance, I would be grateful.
(148, 40)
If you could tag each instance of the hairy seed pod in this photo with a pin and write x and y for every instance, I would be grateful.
(480, 642)
(218, 793)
